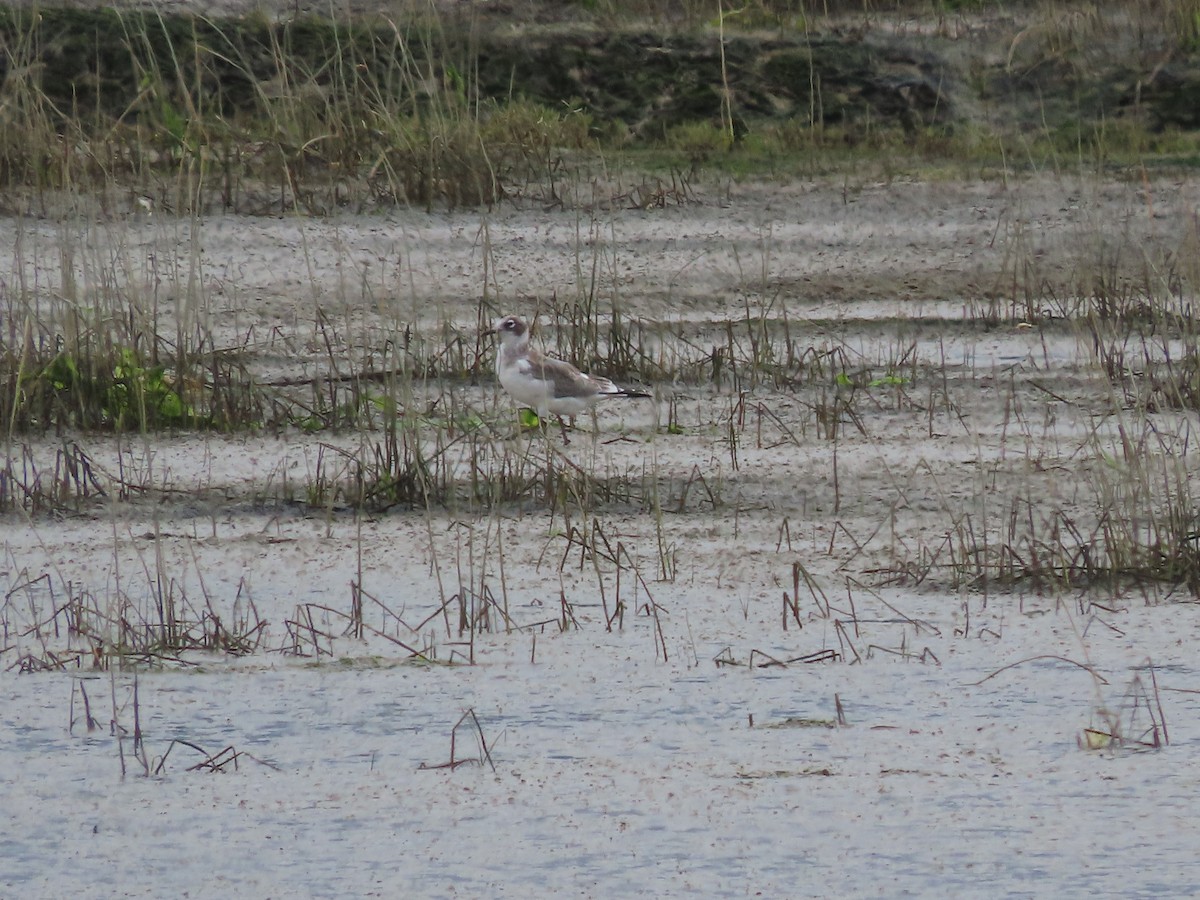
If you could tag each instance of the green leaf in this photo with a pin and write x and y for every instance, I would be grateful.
(171, 406)
(62, 372)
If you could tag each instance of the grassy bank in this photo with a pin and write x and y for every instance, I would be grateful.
(444, 107)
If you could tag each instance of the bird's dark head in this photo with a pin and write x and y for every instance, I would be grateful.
(510, 327)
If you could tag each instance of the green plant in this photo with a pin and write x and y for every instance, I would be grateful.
(141, 397)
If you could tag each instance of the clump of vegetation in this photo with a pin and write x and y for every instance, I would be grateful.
(123, 394)
(252, 116)
(1132, 306)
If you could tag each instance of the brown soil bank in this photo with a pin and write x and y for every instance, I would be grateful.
(1062, 73)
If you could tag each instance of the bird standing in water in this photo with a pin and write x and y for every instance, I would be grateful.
(544, 384)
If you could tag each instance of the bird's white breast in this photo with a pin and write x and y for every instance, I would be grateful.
(516, 377)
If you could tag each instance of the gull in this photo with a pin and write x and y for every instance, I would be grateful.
(544, 384)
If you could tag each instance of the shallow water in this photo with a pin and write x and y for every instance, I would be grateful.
(614, 772)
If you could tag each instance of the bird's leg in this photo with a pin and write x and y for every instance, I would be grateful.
(563, 426)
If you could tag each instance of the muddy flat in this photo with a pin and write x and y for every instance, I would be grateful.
(826, 615)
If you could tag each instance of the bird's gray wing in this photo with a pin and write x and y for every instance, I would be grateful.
(567, 380)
